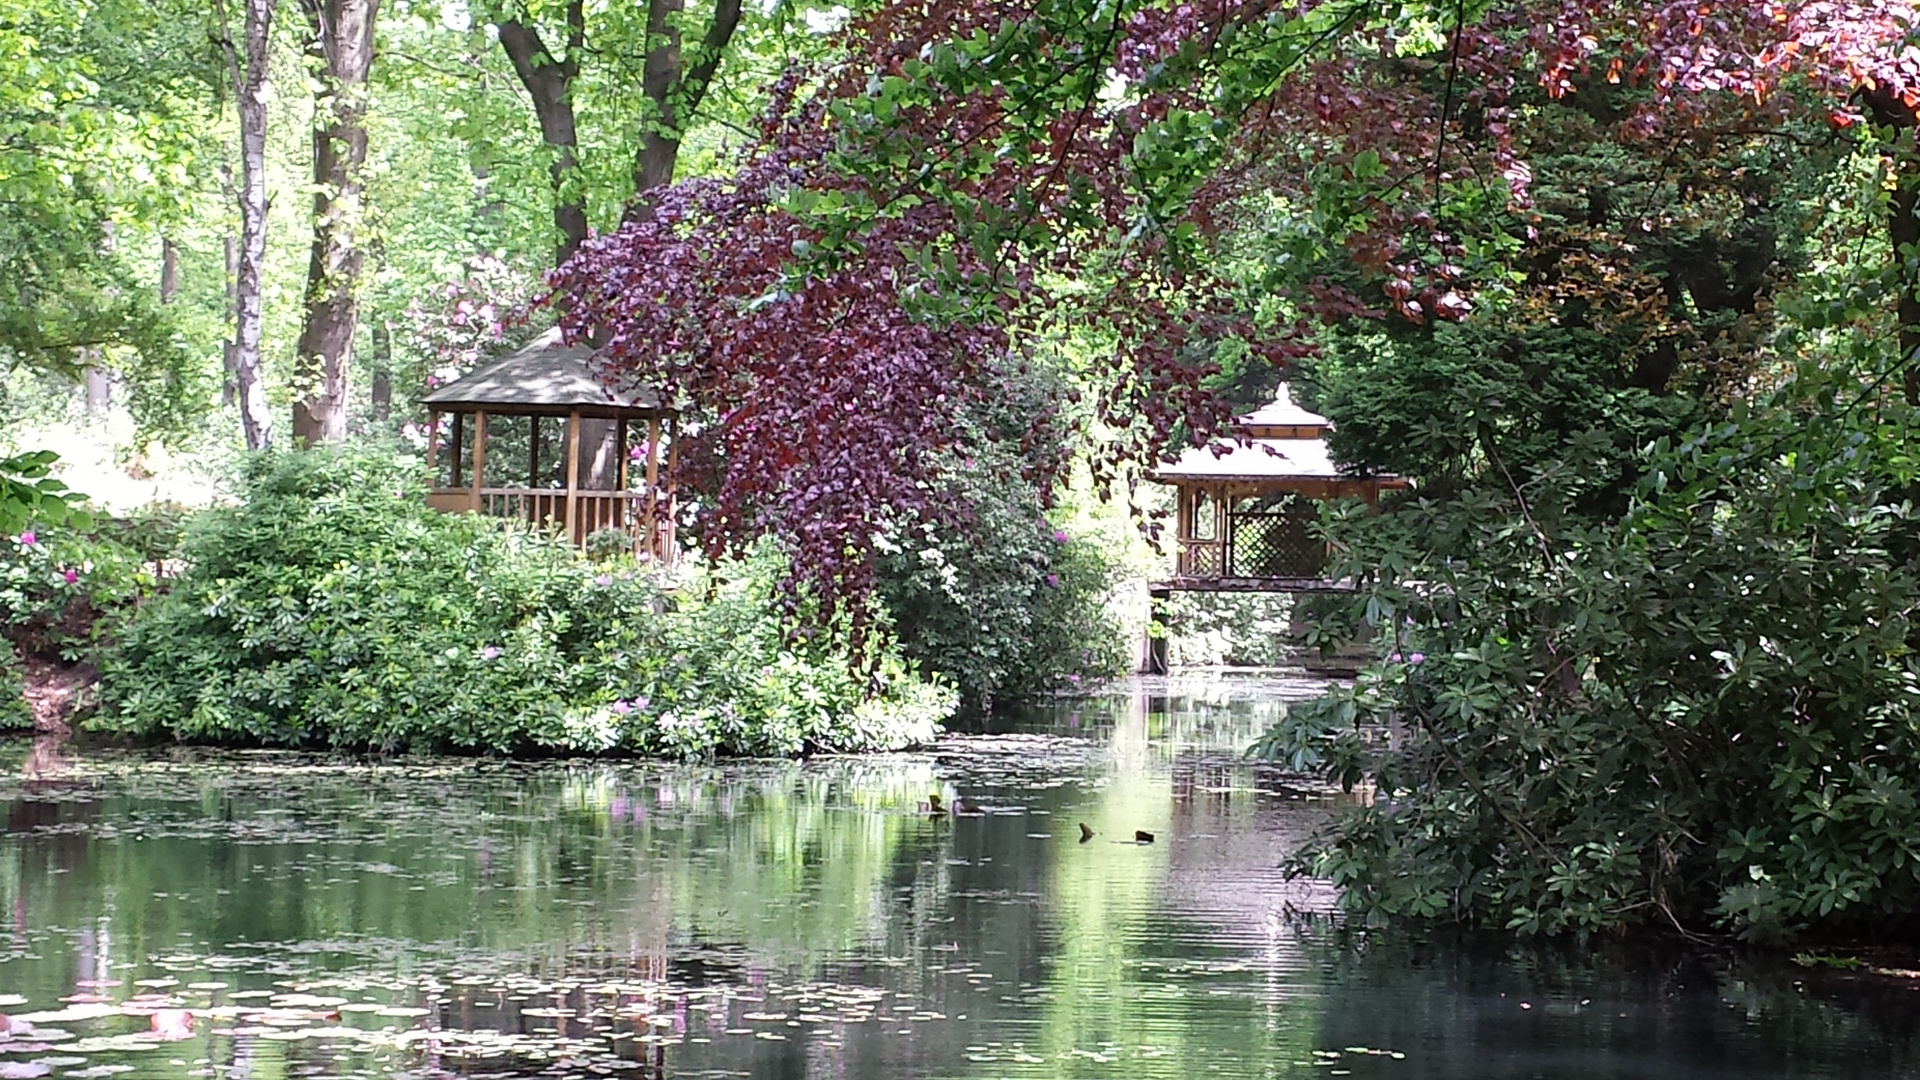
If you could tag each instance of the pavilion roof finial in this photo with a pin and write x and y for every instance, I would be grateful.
(1282, 412)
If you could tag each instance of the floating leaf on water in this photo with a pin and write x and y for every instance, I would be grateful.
(23, 1070)
(71, 1014)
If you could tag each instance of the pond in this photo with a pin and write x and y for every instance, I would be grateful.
(266, 916)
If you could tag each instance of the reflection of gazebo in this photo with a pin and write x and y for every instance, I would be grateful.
(1246, 516)
(537, 436)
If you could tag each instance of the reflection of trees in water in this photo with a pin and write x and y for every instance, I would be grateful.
(1487, 1006)
(558, 903)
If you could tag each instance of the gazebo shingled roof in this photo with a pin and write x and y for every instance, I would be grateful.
(545, 375)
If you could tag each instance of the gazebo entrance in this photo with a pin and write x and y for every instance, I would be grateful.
(537, 437)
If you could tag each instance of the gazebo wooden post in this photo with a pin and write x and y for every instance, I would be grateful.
(1183, 531)
(456, 456)
(1223, 528)
(533, 459)
(479, 457)
(573, 476)
(653, 488)
(668, 539)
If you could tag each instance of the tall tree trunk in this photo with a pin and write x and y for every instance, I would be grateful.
(98, 383)
(98, 380)
(382, 372)
(248, 66)
(342, 42)
(549, 81)
(1903, 223)
(169, 270)
(229, 351)
(674, 84)
(1903, 229)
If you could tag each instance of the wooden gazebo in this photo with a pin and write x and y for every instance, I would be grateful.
(541, 436)
(1246, 512)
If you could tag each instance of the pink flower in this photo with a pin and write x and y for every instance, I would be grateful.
(1059, 536)
(490, 652)
(27, 539)
(1053, 579)
(71, 575)
(1417, 658)
(622, 707)
(603, 579)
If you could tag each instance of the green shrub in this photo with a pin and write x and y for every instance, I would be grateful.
(56, 581)
(333, 609)
(14, 712)
(1707, 713)
(998, 600)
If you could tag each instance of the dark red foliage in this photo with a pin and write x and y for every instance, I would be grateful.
(975, 176)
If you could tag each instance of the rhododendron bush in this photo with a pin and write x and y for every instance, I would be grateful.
(970, 182)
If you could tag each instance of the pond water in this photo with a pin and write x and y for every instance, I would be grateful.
(270, 916)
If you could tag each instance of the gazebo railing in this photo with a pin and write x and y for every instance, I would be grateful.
(647, 520)
(535, 506)
(1200, 558)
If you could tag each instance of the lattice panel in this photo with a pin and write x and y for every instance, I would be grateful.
(1200, 559)
(1275, 545)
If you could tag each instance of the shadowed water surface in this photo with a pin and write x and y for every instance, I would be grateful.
(274, 916)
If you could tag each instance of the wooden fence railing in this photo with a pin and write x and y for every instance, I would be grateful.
(647, 519)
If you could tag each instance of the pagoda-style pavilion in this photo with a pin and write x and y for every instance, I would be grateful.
(541, 436)
(1246, 513)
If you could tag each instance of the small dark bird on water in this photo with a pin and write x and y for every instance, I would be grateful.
(1142, 836)
(964, 805)
(932, 806)
(1086, 834)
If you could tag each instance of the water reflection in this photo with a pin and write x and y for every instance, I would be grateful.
(799, 920)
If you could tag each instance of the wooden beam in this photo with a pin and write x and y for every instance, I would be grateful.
(533, 452)
(620, 428)
(652, 516)
(672, 541)
(455, 457)
(479, 458)
(1251, 585)
(433, 446)
(573, 477)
